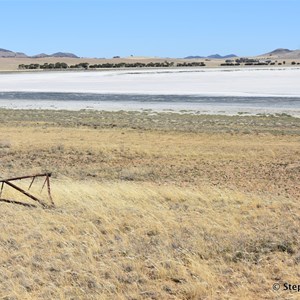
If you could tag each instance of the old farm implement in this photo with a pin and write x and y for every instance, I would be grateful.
(11, 183)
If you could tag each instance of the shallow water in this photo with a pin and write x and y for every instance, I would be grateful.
(175, 103)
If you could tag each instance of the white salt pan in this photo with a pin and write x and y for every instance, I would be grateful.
(283, 82)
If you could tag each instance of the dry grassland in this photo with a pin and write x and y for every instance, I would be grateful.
(149, 209)
(11, 64)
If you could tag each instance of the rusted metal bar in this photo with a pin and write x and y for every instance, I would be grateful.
(2, 186)
(17, 202)
(31, 183)
(49, 191)
(44, 184)
(26, 193)
(26, 177)
(47, 181)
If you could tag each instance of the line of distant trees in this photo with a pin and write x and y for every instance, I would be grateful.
(191, 64)
(254, 62)
(165, 64)
(58, 65)
(86, 66)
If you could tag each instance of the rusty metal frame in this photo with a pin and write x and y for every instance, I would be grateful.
(32, 197)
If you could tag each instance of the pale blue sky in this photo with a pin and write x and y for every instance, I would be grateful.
(165, 28)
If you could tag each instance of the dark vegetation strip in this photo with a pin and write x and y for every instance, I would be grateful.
(184, 122)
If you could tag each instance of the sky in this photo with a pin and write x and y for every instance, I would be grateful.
(165, 28)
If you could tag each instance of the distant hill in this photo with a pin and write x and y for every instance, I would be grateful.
(278, 52)
(41, 55)
(283, 53)
(214, 56)
(64, 54)
(194, 57)
(57, 54)
(9, 53)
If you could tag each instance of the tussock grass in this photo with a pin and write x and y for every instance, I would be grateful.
(264, 163)
(150, 213)
(124, 240)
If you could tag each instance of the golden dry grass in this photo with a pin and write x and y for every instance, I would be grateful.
(144, 214)
(11, 64)
(135, 241)
(264, 163)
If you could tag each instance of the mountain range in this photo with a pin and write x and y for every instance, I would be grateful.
(9, 53)
(277, 53)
